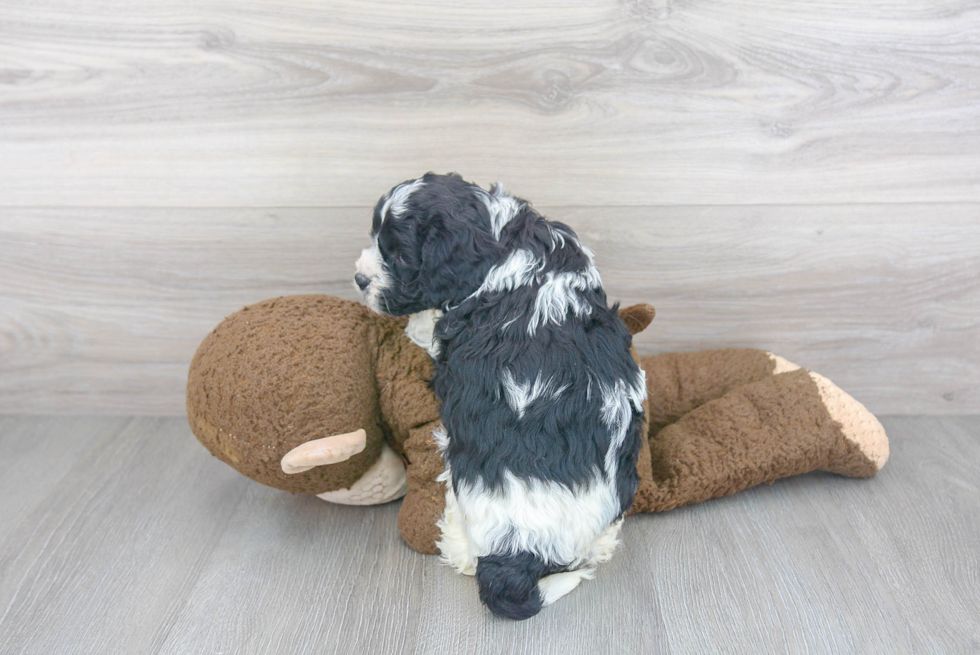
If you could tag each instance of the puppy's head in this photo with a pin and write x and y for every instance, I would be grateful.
(433, 241)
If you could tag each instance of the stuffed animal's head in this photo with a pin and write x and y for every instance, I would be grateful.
(285, 372)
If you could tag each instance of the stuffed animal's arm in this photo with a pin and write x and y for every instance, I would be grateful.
(426, 499)
(403, 373)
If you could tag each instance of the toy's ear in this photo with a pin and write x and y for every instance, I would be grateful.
(637, 317)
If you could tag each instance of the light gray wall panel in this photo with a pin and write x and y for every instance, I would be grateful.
(298, 103)
(103, 309)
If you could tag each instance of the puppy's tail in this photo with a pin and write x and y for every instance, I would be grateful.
(518, 586)
(509, 584)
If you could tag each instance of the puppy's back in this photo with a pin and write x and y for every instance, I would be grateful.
(542, 403)
(545, 434)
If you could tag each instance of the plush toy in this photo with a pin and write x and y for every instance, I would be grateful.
(317, 395)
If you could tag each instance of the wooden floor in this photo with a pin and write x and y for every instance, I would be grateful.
(122, 535)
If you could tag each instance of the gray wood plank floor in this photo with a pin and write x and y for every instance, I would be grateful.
(123, 536)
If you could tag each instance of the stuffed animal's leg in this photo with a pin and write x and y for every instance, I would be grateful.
(680, 382)
(783, 425)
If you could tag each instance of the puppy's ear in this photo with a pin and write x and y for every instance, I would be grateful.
(456, 256)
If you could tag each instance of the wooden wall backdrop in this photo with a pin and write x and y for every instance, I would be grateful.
(798, 176)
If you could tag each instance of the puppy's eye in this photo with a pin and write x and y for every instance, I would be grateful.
(400, 258)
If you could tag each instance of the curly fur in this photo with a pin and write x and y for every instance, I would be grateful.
(541, 400)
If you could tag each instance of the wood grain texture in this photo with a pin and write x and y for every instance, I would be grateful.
(103, 564)
(341, 578)
(103, 308)
(37, 455)
(919, 552)
(139, 542)
(824, 564)
(579, 102)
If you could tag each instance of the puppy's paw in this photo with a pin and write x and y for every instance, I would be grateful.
(553, 587)
(454, 545)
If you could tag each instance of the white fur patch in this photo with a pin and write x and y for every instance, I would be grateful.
(557, 239)
(521, 394)
(395, 204)
(370, 265)
(501, 207)
(559, 295)
(587, 251)
(538, 516)
(441, 438)
(518, 270)
(553, 587)
(602, 549)
(616, 414)
(421, 330)
(454, 545)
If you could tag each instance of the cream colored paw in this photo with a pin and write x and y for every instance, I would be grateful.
(382, 483)
(781, 365)
(603, 547)
(859, 426)
(553, 587)
(454, 545)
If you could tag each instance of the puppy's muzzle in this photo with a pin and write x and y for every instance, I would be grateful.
(362, 281)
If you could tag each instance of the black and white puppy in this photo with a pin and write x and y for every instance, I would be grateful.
(541, 399)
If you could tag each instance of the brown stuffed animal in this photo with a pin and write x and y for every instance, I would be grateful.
(317, 395)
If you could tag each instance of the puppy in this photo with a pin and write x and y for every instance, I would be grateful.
(541, 399)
